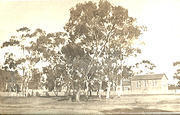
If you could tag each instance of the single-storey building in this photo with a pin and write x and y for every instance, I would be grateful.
(149, 84)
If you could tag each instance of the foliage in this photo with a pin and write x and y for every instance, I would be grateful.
(9, 80)
(143, 67)
(94, 50)
(106, 33)
(177, 73)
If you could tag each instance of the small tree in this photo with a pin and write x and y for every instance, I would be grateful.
(177, 73)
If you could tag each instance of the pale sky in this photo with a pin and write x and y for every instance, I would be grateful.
(161, 17)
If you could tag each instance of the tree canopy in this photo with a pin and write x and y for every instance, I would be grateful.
(98, 41)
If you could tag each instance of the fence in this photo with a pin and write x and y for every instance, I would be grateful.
(46, 93)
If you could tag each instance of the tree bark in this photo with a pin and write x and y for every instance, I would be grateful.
(108, 90)
(119, 88)
(87, 89)
(55, 89)
(25, 86)
(78, 96)
(6, 88)
(67, 93)
(100, 90)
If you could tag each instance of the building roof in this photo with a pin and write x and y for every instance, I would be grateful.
(149, 77)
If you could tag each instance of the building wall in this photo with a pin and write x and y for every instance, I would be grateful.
(149, 86)
(164, 85)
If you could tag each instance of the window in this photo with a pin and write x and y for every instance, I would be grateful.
(138, 84)
(154, 83)
(142, 82)
(145, 83)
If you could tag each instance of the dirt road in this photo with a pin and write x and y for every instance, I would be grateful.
(124, 104)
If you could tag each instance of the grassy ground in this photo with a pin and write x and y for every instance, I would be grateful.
(125, 104)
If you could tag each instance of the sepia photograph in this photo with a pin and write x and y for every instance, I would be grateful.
(89, 57)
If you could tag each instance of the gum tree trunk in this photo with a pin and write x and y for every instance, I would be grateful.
(100, 90)
(87, 89)
(108, 90)
(78, 95)
(119, 88)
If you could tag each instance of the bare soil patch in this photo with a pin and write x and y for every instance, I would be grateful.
(115, 105)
